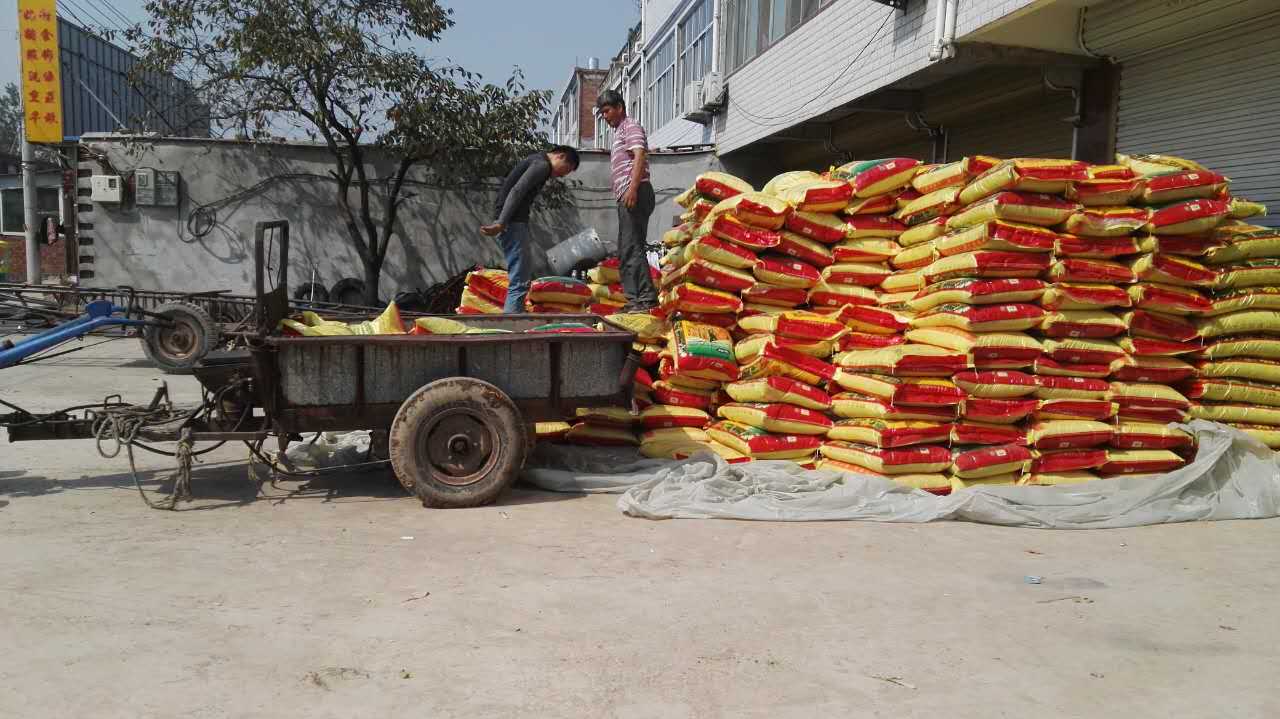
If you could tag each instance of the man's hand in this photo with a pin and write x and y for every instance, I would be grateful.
(493, 229)
(629, 198)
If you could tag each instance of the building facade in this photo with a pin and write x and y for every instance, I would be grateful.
(574, 121)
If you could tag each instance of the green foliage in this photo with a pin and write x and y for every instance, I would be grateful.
(10, 120)
(348, 73)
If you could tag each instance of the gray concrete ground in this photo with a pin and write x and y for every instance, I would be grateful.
(344, 598)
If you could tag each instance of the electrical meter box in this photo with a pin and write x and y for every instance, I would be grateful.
(155, 187)
(106, 188)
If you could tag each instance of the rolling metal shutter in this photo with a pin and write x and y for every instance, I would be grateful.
(1036, 127)
(1213, 97)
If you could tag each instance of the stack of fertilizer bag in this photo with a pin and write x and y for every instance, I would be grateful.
(978, 322)
(486, 292)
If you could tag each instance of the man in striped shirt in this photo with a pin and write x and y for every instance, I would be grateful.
(629, 173)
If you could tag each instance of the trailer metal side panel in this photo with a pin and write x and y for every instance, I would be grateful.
(318, 375)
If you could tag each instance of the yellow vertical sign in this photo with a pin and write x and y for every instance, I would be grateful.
(41, 74)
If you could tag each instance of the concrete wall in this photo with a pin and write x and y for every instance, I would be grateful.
(812, 70)
(153, 247)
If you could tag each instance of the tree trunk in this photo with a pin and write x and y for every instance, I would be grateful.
(372, 277)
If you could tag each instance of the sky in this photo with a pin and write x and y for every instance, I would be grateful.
(490, 37)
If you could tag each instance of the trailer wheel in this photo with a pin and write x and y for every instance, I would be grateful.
(177, 349)
(458, 442)
(348, 291)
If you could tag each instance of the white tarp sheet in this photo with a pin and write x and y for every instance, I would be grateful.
(1232, 477)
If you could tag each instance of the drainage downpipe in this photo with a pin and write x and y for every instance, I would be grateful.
(944, 30)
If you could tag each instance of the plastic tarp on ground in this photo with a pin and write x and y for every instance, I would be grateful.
(1232, 477)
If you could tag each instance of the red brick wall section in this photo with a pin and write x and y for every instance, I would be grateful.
(589, 84)
(52, 259)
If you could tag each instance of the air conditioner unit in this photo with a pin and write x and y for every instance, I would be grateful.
(693, 110)
(712, 91)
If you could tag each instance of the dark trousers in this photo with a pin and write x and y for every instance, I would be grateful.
(633, 228)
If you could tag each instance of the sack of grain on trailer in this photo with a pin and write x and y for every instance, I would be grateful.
(559, 290)
(489, 284)
(474, 304)
(1036, 175)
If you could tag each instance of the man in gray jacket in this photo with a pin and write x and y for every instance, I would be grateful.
(512, 207)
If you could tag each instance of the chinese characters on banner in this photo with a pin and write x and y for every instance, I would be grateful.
(41, 78)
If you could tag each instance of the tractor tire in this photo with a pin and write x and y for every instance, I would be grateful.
(458, 442)
(177, 349)
(348, 291)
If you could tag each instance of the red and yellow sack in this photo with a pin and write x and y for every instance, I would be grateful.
(997, 411)
(990, 461)
(836, 296)
(915, 258)
(907, 360)
(968, 432)
(911, 391)
(1154, 324)
(755, 209)
(606, 416)
(1096, 247)
(982, 318)
(735, 230)
(1083, 350)
(786, 272)
(1173, 270)
(559, 290)
(936, 177)
(997, 236)
(551, 431)
(986, 264)
(1068, 460)
(724, 252)
(1025, 175)
(876, 177)
(1155, 165)
(1149, 435)
(1244, 242)
(978, 292)
(1168, 299)
(1026, 207)
(1140, 461)
(1104, 192)
(1183, 186)
(1082, 323)
(473, 304)
(775, 361)
(1189, 217)
(803, 248)
(924, 232)
(901, 281)
(1051, 367)
(1160, 370)
(822, 227)
(1249, 273)
(863, 226)
(1052, 387)
(1245, 368)
(890, 433)
(665, 416)
(709, 274)
(1246, 346)
(854, 405)
(855, 273)
(779, 389)
(874, 205)
(667, 393)
(869, 249)
(1236, 413)
(1068, 434)
(720, 185)
(1083, 296)
(907, 460)
(1188, 245)
(996, 384)
(1247, 299)
(931, 206)
(1150, 347)
(1107, 221)
(989, 350)
(688, 297)
(817, 195)
(777, 418)
(490, 284)
(759, 444)
(797, 324)
(1227, 390)
(1079, 270)
(1093, 409)
(763, 293)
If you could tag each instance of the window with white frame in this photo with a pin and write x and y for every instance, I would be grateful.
(48, 204)
(635, 106)
(753, 26)
(695, 48)
(660, 96)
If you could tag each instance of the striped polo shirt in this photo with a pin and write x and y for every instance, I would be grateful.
(627, 137)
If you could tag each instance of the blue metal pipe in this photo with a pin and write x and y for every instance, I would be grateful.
(99, 313)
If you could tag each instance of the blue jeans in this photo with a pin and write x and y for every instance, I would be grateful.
(515, 242)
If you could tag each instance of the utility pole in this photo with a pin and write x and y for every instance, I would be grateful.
(29, 218)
